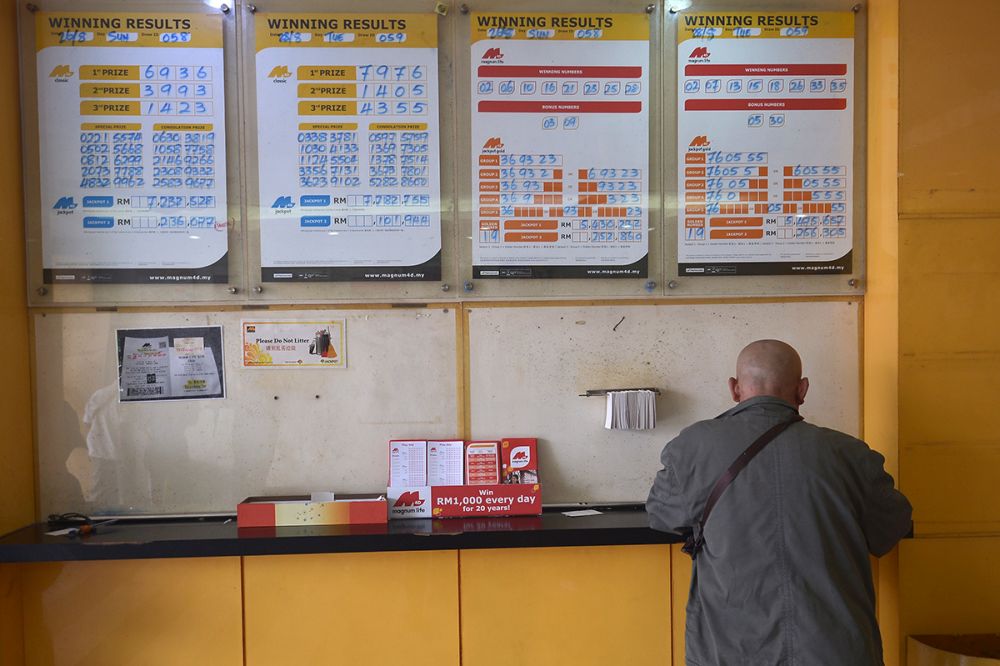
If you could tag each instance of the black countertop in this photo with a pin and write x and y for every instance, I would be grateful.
(216, 537)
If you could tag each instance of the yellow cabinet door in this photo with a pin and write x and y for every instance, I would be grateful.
(11, 628)
(352, 608)
(119, 612)
(573, 606)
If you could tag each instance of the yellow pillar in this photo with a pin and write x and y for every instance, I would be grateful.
(949, 350)
(17, 482)
(17, 487)
(881, 315)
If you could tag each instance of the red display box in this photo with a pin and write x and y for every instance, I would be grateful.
(288, 510)
(514, 499)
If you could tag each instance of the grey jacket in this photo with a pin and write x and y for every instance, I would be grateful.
(784, 577)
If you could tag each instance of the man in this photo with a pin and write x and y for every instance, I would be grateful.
(783, 577)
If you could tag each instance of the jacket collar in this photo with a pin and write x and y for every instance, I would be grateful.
(766, 402)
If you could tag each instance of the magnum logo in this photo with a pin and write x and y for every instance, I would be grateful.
(700, 52)
(279, 72)
(700, 140)
(493, 143)
(61, 72)
(409, 498)
(493, 53)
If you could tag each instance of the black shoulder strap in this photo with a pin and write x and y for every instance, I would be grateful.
(694, 543)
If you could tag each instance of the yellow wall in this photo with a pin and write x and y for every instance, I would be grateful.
(17, 491)
(949, 314)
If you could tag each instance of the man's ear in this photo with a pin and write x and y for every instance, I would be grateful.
(801, 390)
(734, 389)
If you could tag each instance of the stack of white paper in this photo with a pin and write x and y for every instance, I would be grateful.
(630, 410)
(445, 462)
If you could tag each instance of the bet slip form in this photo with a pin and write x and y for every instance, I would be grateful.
(132, 147)
(765, 137)
(348, 147)
(560, 145)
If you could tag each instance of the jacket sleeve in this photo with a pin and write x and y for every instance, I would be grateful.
(666, 505)
(887, 515)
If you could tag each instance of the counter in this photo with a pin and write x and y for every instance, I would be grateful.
(215, 537)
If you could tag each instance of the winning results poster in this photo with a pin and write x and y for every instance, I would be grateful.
(560, 145)
(348, 147)
(765, 137)
(132, 147)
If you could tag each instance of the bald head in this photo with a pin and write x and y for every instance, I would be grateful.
(769, 367)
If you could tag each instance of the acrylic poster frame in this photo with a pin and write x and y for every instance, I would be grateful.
(629, 287)
(750, 285)
(456, 280)
(41, 294)
(336, 290)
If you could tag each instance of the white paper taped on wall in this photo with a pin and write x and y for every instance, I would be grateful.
(631, 410)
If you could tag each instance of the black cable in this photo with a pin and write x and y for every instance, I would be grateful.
(71, 517)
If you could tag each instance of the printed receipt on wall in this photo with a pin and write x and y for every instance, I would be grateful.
(169, 367)
(193, 373)
(145, 368)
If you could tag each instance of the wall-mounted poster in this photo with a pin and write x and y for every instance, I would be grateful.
(765, 136)
(348, 156)
(295, 344)
(178, 363)
(560, 145)
(132, 147)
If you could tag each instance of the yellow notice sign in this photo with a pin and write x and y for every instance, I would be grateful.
(110, 127)
(345, 30)
(181, 127)
(548, 26)
(324, 108)
(127, 29)
(764, 25)
(295, 344)
(109, 72)
(397, 127)
(325, 73)
(327, 127)
(327, 90)
(94, 108)
(109, 90)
